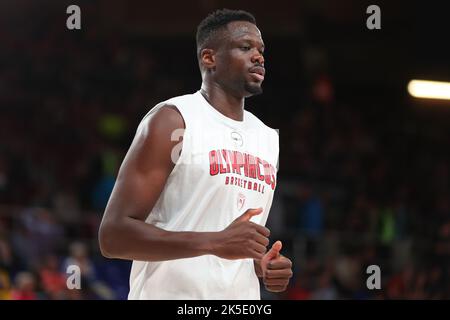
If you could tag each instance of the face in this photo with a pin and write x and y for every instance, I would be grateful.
(239, 61)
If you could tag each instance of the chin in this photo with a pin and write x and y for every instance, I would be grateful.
(253, 89)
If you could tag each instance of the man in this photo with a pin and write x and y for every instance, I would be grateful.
(185, 221)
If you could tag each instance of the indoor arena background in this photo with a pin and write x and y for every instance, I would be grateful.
(364, 167)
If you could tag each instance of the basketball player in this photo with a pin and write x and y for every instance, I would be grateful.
(194, 225)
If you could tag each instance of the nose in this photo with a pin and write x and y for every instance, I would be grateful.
(258, 57)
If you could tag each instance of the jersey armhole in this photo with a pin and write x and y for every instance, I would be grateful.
(176, 136)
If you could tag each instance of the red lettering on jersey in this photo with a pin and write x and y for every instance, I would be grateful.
(258, 170)
(222, 168)
(273, 183)
(237, 162)
(246, 164)
(267, 176)
(229, 159)
(224, 162)
(251, 166)
(213, 166)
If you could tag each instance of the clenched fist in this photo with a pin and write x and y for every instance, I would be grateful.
(276, 269)
(242, 238)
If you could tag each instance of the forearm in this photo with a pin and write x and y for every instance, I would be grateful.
(133, 239)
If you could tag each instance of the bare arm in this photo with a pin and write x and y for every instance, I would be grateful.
(123, 232)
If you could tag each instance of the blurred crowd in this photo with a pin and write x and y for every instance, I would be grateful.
(360, 187)
(362, 181)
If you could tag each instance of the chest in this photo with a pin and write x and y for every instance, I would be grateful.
(236, 161)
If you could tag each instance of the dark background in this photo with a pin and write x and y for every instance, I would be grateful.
(364, 167)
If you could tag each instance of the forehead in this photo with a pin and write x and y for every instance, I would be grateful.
(243, 29)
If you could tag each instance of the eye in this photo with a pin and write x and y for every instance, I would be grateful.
(245, 48)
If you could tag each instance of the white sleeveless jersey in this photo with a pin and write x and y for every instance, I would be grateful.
(225, 168)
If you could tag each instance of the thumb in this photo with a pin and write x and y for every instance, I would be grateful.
(247, 215)
(274, 251)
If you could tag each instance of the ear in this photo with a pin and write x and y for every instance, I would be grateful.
(208, 58)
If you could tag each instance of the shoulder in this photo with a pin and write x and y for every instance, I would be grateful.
(154, 139)
(164, 119)
(183, 105)
(169, 112)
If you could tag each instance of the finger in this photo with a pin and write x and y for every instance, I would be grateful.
(247, 215)
(255, 255)
(262, 240)
(276, 282)
(278, 274)
(277, 246)
(276, 288)
(259, 248)
(279, 263)
(274, 251)
(261, 229)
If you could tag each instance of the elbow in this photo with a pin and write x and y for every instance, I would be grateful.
(106, 241)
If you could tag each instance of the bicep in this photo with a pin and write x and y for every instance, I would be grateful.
(146, 166)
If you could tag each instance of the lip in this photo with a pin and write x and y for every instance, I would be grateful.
(258, 72)
(257, 76)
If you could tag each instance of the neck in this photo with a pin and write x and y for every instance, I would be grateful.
(224, 102)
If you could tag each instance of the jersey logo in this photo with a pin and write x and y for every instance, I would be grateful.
(240, 201)
(237, 138)
(242, 169)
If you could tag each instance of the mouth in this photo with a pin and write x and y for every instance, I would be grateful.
(258, 72)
